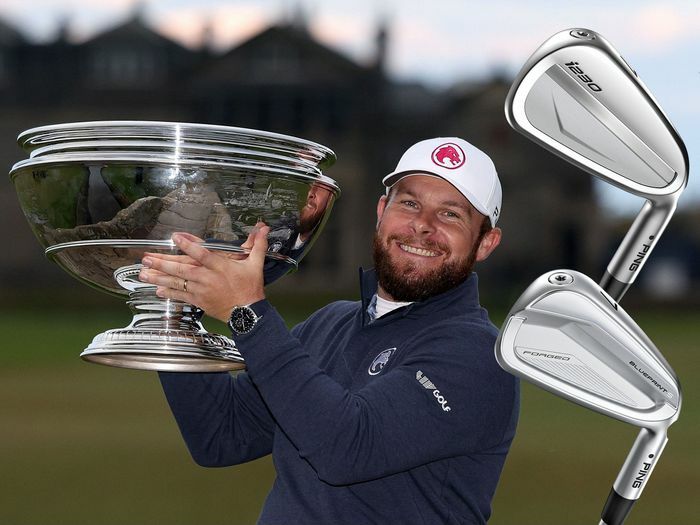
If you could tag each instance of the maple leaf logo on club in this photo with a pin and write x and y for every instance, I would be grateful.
(449, 155)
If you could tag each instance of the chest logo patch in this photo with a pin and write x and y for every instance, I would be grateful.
(380, 361)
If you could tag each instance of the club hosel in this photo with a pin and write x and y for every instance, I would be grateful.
(637, 245)
(640, 462)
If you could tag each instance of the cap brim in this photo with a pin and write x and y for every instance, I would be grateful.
(396, 176)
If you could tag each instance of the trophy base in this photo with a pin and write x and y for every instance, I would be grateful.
(164, 335)
(164, 350)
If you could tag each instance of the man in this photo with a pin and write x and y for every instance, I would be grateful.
(391, 410)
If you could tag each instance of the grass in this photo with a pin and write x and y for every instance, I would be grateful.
(85, 444)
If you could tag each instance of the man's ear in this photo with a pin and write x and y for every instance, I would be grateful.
(488, 243)
(381, 206)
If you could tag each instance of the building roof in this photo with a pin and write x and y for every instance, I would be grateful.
(281, 54)
(135, 32)
(9, 36)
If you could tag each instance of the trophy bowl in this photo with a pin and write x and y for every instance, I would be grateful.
(98, 195)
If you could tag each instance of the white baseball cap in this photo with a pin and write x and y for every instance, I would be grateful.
(467, 168)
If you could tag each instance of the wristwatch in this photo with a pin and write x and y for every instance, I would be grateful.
(243, 319)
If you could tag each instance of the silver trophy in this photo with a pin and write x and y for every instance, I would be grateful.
(98, 195)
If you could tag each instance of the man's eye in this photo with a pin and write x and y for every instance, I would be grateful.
(452, 215)
(410, 204)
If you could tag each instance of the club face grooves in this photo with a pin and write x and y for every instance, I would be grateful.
(575, 341)
(580, 100)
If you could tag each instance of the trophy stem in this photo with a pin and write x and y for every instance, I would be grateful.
(152, 312)
(164, 335)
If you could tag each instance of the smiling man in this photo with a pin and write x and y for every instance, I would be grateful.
(390, 410)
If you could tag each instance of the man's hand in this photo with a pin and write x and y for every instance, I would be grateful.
(215, 282)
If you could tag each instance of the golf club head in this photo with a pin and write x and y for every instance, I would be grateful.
(568, 336)
(577, 97)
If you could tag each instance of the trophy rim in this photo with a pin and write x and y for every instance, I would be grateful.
(194, 151)
(172, 363)
(52, 250)
(29, 140)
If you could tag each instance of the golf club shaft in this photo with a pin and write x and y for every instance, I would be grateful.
(635, 248)
(633, 476)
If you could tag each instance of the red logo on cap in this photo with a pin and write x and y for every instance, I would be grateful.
(449, 155)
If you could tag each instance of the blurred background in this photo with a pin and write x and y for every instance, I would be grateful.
(85, 444)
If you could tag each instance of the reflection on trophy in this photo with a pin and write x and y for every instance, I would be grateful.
(98, 195)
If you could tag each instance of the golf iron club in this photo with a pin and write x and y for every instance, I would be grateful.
(567, 335)
(577, 97)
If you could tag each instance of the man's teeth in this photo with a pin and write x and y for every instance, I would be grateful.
(418, 251)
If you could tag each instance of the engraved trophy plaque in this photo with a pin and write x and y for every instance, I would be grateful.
(98, 195)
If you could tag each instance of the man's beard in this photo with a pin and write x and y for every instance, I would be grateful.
(400, 281)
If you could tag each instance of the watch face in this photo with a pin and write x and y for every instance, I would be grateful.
(243, 319)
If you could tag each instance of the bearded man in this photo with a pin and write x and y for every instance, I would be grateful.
(390, 410)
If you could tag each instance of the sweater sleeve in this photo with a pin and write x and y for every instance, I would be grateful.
(222, 418)
(396, 422)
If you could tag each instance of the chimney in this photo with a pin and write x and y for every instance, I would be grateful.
(381, 43)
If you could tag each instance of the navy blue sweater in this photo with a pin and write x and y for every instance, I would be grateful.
(403, 420)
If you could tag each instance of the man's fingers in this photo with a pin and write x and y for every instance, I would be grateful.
(184, 259)
(195, 250)
(248, 244)
(177, 295)
(233, 256)
(172, 268)
(149, 275)
(259, 249)
(159, 278)
(189, 236)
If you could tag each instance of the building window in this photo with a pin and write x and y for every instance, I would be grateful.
(279, 60)
(123, 68)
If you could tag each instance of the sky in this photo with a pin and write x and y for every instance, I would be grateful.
(437, 43)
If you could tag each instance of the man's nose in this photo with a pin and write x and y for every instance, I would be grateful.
(423, 223)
